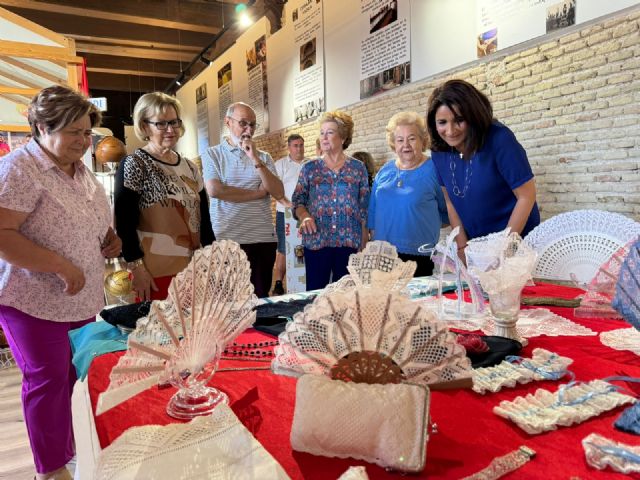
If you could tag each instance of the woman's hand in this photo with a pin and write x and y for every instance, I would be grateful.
(143, 283)
(72, 277)
(111, 245)
(308, 225)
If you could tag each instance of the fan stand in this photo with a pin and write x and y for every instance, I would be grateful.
(195, 401)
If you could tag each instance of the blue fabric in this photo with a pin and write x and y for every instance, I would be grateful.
(409, 215)
(325, 265)
(629, 421)
(95, 338)
(627, 297)
(498, 168)
(282, 247)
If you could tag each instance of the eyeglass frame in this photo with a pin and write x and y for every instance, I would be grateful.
(253, 124)
(175, 124)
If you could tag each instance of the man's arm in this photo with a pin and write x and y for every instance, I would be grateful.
(217, 189)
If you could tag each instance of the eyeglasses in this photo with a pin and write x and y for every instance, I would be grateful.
(244, 124)
(175, 124)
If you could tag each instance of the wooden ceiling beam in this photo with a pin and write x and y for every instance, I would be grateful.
(134, 52)
(15, 99)
(34, 70)
(126, 83)
(42, 52)
(33, 27)
(26, 92)
(115, 71)
(18, 79)
(86, 39)
(106, 15)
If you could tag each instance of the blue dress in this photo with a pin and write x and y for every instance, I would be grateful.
(407, 207)
(481, 190)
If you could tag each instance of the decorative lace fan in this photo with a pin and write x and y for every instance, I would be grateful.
(371, 335)
(210, 303)
(573, 245)
(627, 296)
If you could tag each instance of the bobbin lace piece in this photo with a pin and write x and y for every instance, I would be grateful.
(215, 446)
(622, 339)
(370, 335)
(573, 245)
(543, 365)
(500, 466)
(569, 405)
(541, 321)
(627, 296)
(602, 452)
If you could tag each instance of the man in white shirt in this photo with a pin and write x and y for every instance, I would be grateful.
(287, 169)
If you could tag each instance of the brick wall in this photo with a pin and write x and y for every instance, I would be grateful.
(573, 102)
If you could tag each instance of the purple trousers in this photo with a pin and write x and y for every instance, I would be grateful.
(42, 351)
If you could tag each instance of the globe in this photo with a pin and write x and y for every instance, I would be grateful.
(118, 283)
(110, 150)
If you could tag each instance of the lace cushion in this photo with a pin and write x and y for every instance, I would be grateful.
(381, 424)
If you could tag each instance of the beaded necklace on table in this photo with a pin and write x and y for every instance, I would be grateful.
(254, 350)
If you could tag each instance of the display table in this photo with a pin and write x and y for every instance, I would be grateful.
(469, 435)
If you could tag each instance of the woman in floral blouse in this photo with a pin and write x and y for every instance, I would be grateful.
(330, 201)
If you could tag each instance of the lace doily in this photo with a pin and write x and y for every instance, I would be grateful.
(622, 339)
(573, 245)
(215, 446)
(543, 365)
(602, 452)
(569, 405)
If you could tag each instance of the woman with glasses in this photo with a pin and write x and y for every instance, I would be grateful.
(161, 207)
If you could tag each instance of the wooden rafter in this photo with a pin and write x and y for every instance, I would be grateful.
(20, 80)
(33, 27)
(16, 128)
(116, 71)
(34, 70)
(28, 92)
(117, 17)
(132, 52)
(86, 39)
(15, 99)
(43, 52)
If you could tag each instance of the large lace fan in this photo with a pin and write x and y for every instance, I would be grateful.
(371, 335)
(210, 303)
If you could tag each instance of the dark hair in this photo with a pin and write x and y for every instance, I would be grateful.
(293, 137)
(57, 106)
(367, 159)
(467, 101)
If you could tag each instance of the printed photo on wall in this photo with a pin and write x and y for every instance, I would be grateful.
(4, 144)
(224, 75)
(386, 80)
(308, 54)
(487, 42)
(383, 16)
(561, 15)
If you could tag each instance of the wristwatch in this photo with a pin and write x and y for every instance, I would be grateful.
(135, 264)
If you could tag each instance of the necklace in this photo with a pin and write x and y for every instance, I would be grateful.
(467, 175)
(400, 169)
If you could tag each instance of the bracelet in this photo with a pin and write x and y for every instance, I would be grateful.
(500, 466)
(135, 264)
(305, 219)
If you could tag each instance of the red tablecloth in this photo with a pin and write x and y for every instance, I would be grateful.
(469, 434)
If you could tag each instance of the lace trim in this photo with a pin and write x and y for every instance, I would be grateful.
(602, 452)
(500, 466)
(622, 339)
(570, 404)
(543, 365)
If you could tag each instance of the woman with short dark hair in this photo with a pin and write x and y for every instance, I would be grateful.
(54, 234)
(484, 171)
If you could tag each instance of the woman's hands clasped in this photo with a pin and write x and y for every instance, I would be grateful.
(111, 245)
(143, 283)
(308, 225)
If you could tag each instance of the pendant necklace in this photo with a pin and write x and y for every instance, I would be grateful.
(399, 176)
(467, 175)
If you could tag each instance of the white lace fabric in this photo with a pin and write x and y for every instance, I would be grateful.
(602, 452)
(216, 446)
(381, 424)
(541, 366)
(622, 339)
(569, 405)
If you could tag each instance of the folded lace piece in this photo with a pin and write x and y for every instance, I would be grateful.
(541, 321)
(381, 424)
(627, 295)
(602, 452)
(214, 446)
(629, 421)
(622, 339)
(543, 365)
(570, 404)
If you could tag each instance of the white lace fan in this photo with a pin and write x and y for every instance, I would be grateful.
(573, 245)
(371, 335)
(210, 303)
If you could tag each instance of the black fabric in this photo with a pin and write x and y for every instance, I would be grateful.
(499, 349)
(126, 315)
(127, 216)
(272, 318)
(207, 237)
(424, 267)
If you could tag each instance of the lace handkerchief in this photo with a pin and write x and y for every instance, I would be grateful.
(571, 404)
(543, 365)
(602, 452)
(622, 339)
(214, 446)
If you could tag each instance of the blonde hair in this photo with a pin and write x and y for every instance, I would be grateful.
(57, 106)
(151, 104)
(344, 122)
(407, 118)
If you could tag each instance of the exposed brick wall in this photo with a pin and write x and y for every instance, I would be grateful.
(573, 102)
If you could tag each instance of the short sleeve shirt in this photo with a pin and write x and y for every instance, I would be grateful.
(69, 216)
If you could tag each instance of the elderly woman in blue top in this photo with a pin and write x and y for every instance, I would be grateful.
(484, 171)
(407, 206)
(330, 201)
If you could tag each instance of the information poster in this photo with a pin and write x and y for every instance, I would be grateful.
(225, 94)
(385, 51)
(202, 118)
(294, 256)
(256, 58)
(308, 86)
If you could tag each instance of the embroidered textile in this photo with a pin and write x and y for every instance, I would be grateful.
(622, 339)
(627, 297)
(602, 452)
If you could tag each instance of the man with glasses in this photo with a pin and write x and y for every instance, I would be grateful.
(240, 179)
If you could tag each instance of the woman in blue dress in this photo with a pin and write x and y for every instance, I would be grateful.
(485, 174)
(407, 207)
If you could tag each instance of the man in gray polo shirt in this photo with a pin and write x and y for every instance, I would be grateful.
(240, 179)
